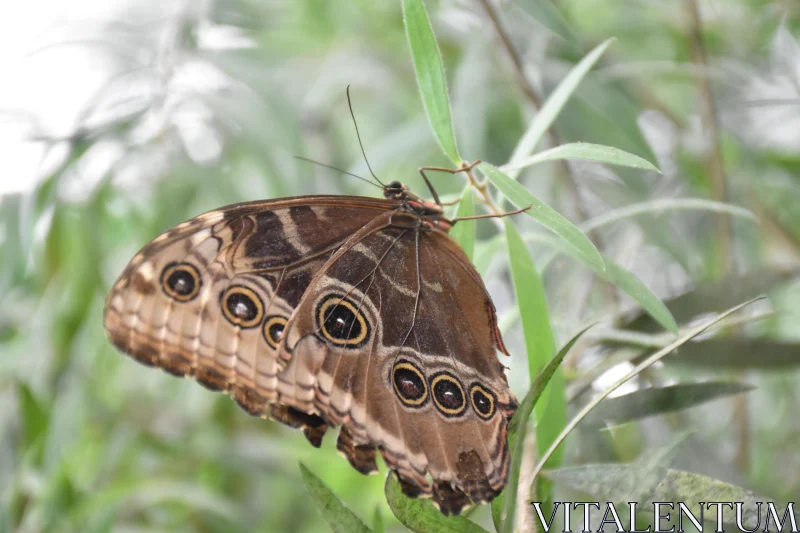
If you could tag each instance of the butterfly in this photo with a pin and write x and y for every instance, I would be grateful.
(325, 311)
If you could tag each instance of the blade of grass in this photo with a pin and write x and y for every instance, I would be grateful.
(552, 107)
(586, 152)
(420, 515)
(650, 361)
(464, 231)
(333, 510)
(517, 429)
(430, 75)
(544, 214)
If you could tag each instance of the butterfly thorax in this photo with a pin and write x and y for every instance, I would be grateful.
(429, 215)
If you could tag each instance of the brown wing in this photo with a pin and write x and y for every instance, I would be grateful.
(395, 339)
(210, 297)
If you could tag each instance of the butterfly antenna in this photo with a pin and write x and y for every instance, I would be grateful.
(335, 168)
(358, 135)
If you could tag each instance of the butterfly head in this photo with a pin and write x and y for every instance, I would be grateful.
(395, 190)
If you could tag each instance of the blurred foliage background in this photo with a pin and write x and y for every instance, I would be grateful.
(207, 104)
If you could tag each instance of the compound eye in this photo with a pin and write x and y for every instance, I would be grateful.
(394, 184)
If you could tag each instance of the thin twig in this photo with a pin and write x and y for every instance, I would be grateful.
(715, 168)
(581, 212)
(534, 99)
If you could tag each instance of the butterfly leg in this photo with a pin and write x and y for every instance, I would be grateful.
(465, 167)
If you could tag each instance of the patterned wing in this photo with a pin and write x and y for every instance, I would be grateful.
(395, 340)
(210, 298)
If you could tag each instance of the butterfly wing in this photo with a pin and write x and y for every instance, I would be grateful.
(210, 297)
(395, 339)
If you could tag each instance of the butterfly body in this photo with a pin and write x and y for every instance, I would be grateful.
(324, 311)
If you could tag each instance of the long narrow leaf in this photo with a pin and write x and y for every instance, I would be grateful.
(464, 232)
(430, 75)
(619, 483)
(586, 152)
(504, 509)
(650, 361)
(626, 282)
(420, 516)
(659, 400)
(661, 205)
(633, 482)
(544, 214)
(334, 511)
(552, 107)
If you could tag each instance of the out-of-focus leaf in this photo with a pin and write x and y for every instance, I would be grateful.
(420, 516)
(709, 296)
(580, 246)
(647, 363)
(430, 75)
(334, 511)
(377, 521)
(690, 487)
(606, 112)
(621, 483)
(34, 417)
(587, 152)
(547, 13)
(659, 400)
(738, 353)
(661, 205)
(552, 107)
(504, 508)
(464, 232)
(618, 483)
(629, 284)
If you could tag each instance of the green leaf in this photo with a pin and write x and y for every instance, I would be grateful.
(587, 152)
(690, 487)
(582, 247)
(625, 281)
(647, 363)
(661, 205)
(659, 400)
(622, 483)
(35, 419)
(711, 296)
(738, 352)
(377, 521)
(464, 231)
(551, 414)
(552, 107)
(505, 506)
(549, 15)
(334, 511)
(430, 75)
(420, 516)
(633, 287)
